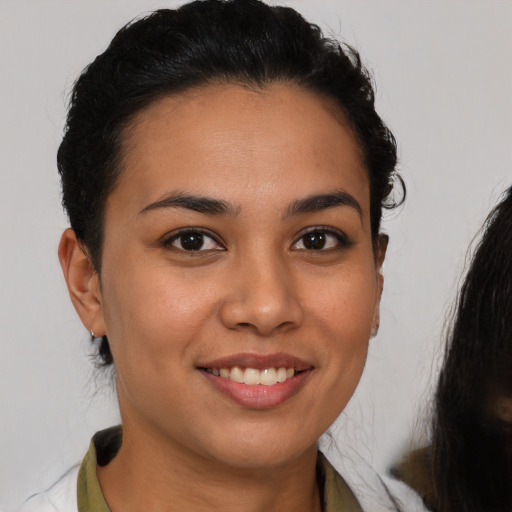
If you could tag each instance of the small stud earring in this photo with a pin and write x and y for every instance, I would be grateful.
(92, 334)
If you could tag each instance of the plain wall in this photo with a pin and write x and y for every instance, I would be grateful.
(444, 80)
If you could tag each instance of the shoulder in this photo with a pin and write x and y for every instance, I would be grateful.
(374, 492)
(60, 497)
(415, 470)
(404, 497)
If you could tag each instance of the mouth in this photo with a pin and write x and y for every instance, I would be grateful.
(254, 376)
(256, 381)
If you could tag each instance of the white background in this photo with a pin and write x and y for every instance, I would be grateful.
(444, 76)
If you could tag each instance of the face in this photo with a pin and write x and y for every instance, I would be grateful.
(239, 284)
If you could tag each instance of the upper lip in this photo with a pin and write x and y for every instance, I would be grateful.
(258, 361)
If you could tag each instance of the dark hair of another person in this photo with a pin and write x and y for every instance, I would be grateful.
(472, 432)
(205, 43)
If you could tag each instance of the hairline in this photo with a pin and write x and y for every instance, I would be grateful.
(126, 127)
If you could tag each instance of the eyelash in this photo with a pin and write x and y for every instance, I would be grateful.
(168, 242)
(341, 239)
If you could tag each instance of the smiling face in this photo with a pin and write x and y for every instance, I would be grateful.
(237, 248)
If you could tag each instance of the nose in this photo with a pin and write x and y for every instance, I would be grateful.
(262, 297)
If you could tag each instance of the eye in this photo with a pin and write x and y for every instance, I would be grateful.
(319, 239)
(193, 240)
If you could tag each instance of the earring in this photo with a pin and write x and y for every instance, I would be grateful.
(92, 334)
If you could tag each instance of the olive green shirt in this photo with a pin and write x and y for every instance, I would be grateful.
(105, 444)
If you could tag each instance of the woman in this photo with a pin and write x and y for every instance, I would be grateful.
(468, 467)
(224, 172)
(472, 435)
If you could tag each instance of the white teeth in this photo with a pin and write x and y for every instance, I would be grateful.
(237, 374)
(268, 377)
(281, 375)
(253, 376)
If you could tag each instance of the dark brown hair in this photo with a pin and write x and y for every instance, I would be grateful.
(205, 42)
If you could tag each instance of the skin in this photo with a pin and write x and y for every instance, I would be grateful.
(503, 408)
(256, 289)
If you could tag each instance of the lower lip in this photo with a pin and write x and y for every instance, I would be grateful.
(259, 396)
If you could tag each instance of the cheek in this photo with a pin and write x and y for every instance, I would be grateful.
(343, 311)
(150, 313)
(345, 301)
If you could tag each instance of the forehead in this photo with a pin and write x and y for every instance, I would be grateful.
(281, 139)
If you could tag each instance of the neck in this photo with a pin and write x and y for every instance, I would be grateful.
(148, 474)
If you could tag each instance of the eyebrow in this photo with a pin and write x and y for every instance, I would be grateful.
(210, 206)
(199, 204)
(319, 202)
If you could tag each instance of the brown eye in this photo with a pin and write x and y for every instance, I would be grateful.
(314, 240)
(321, 240)
(193, 241)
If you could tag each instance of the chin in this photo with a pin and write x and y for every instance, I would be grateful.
(257, 452)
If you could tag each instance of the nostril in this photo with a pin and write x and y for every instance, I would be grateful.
(261, 328)
(262, 309)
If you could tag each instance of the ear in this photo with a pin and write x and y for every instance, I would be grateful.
(83, 283)
(380, 254)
